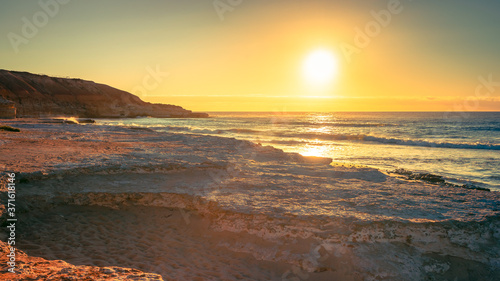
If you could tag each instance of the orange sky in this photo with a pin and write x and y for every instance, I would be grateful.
(252, 59)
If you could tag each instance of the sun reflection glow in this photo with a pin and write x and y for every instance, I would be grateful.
(312, 150)
(323, 130)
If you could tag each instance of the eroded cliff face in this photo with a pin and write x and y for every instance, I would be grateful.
(41, 96)
(7, 109)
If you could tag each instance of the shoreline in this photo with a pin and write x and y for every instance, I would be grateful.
(191, 179)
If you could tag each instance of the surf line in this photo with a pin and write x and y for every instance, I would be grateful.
(11, 220)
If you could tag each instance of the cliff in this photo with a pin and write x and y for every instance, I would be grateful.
(7, 109)
(42, 96)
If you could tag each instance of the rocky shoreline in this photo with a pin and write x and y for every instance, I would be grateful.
(35, 268)
(105, 199)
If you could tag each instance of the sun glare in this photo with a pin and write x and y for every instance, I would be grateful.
(317, 151)
(320, 67)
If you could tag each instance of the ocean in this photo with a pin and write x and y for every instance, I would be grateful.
(462, 147)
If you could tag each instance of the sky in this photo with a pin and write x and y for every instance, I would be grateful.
(249, 55)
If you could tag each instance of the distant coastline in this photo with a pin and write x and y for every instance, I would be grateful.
(28, 95)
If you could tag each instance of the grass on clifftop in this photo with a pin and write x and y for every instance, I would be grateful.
(9, 128)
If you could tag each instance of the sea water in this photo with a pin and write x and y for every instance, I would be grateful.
(463, 148)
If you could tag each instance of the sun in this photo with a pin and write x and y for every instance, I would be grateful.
(320, 67)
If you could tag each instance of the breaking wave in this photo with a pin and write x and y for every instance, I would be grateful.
(396, 141)
(334, 137)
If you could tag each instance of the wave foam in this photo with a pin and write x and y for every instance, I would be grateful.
(385, 140)
(341, 137)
